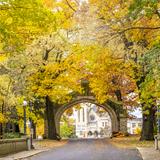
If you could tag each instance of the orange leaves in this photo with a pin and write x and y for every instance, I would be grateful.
(49, 3)
(111, 73)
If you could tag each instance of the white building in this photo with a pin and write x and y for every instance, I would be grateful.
(133, 125)
(92, 122)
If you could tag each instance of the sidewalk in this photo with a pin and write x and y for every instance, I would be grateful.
(149, 153)
(22, 155)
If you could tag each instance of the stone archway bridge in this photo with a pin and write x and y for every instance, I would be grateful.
(54, 112)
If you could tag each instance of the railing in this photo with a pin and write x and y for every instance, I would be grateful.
(8, 146)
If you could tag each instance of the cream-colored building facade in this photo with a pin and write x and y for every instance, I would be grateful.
(91, 122)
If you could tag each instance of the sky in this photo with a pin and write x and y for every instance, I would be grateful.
(137, 112)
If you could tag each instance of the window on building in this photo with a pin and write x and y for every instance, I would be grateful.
(78, 115)
(133, 125)
(90, 133)
(106, 124)
(96, 133)
(140, 125)
(92, 117)
(129, 129)
(83, 115)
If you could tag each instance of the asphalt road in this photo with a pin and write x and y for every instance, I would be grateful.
(89, 149)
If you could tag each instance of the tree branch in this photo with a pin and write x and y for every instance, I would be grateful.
(70, 6)
(139, 28)
(13, 7)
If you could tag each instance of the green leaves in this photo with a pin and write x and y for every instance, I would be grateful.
(150, 88)
(143, 7)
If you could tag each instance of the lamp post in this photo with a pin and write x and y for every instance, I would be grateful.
(31, 126)
(158, 117)
(157, 137)
(24, 117)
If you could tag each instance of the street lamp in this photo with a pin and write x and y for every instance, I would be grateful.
(31, 125)
(158, 117)
(24, 113)
(157, 137)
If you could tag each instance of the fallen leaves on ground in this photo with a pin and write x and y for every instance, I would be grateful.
(131, 142)
(47, 144)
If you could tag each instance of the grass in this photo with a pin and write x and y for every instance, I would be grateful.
(131, 142)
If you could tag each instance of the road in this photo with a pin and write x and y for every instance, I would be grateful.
(89, 149)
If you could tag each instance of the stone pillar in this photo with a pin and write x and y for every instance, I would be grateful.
(123, 123)
(28, 141)
(86, 120)
(81, 115)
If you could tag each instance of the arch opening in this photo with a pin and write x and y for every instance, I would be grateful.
(111, 114)
(85, 120)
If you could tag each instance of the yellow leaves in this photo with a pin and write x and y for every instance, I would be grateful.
(150, 35)
(110, 73)
(49, 3)
(3, 57)
(2, 118)
(62, 12)
(9, 21)
(113, 12)
(40, 126)
(54, 82)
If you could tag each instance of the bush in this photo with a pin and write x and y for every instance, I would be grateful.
(66, 131)
(138, 130)
(11, 135)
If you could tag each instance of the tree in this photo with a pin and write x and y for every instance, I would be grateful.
(110, 44)
(23, 21)
(7, 102)
(21, 24)
(135, 25)
(150, 90)
(67, 128)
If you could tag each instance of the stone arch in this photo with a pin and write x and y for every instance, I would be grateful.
(89, 99)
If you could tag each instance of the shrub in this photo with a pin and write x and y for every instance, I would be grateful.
(66, 131)
(138, 130)
(11, 135)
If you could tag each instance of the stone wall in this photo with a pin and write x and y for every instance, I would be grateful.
(8, 146)
(123, 124)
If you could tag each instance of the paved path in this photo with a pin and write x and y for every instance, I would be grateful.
(88, 149)
(149, 153)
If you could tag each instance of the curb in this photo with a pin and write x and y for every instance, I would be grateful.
(20, 157)
(138, 149)
(31, 155)
(149, 153)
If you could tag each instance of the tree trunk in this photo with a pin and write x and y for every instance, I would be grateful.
(52, 133)
(1, 130)
(119, 98)
(148, 125)
(17, 130)
(148, 120)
